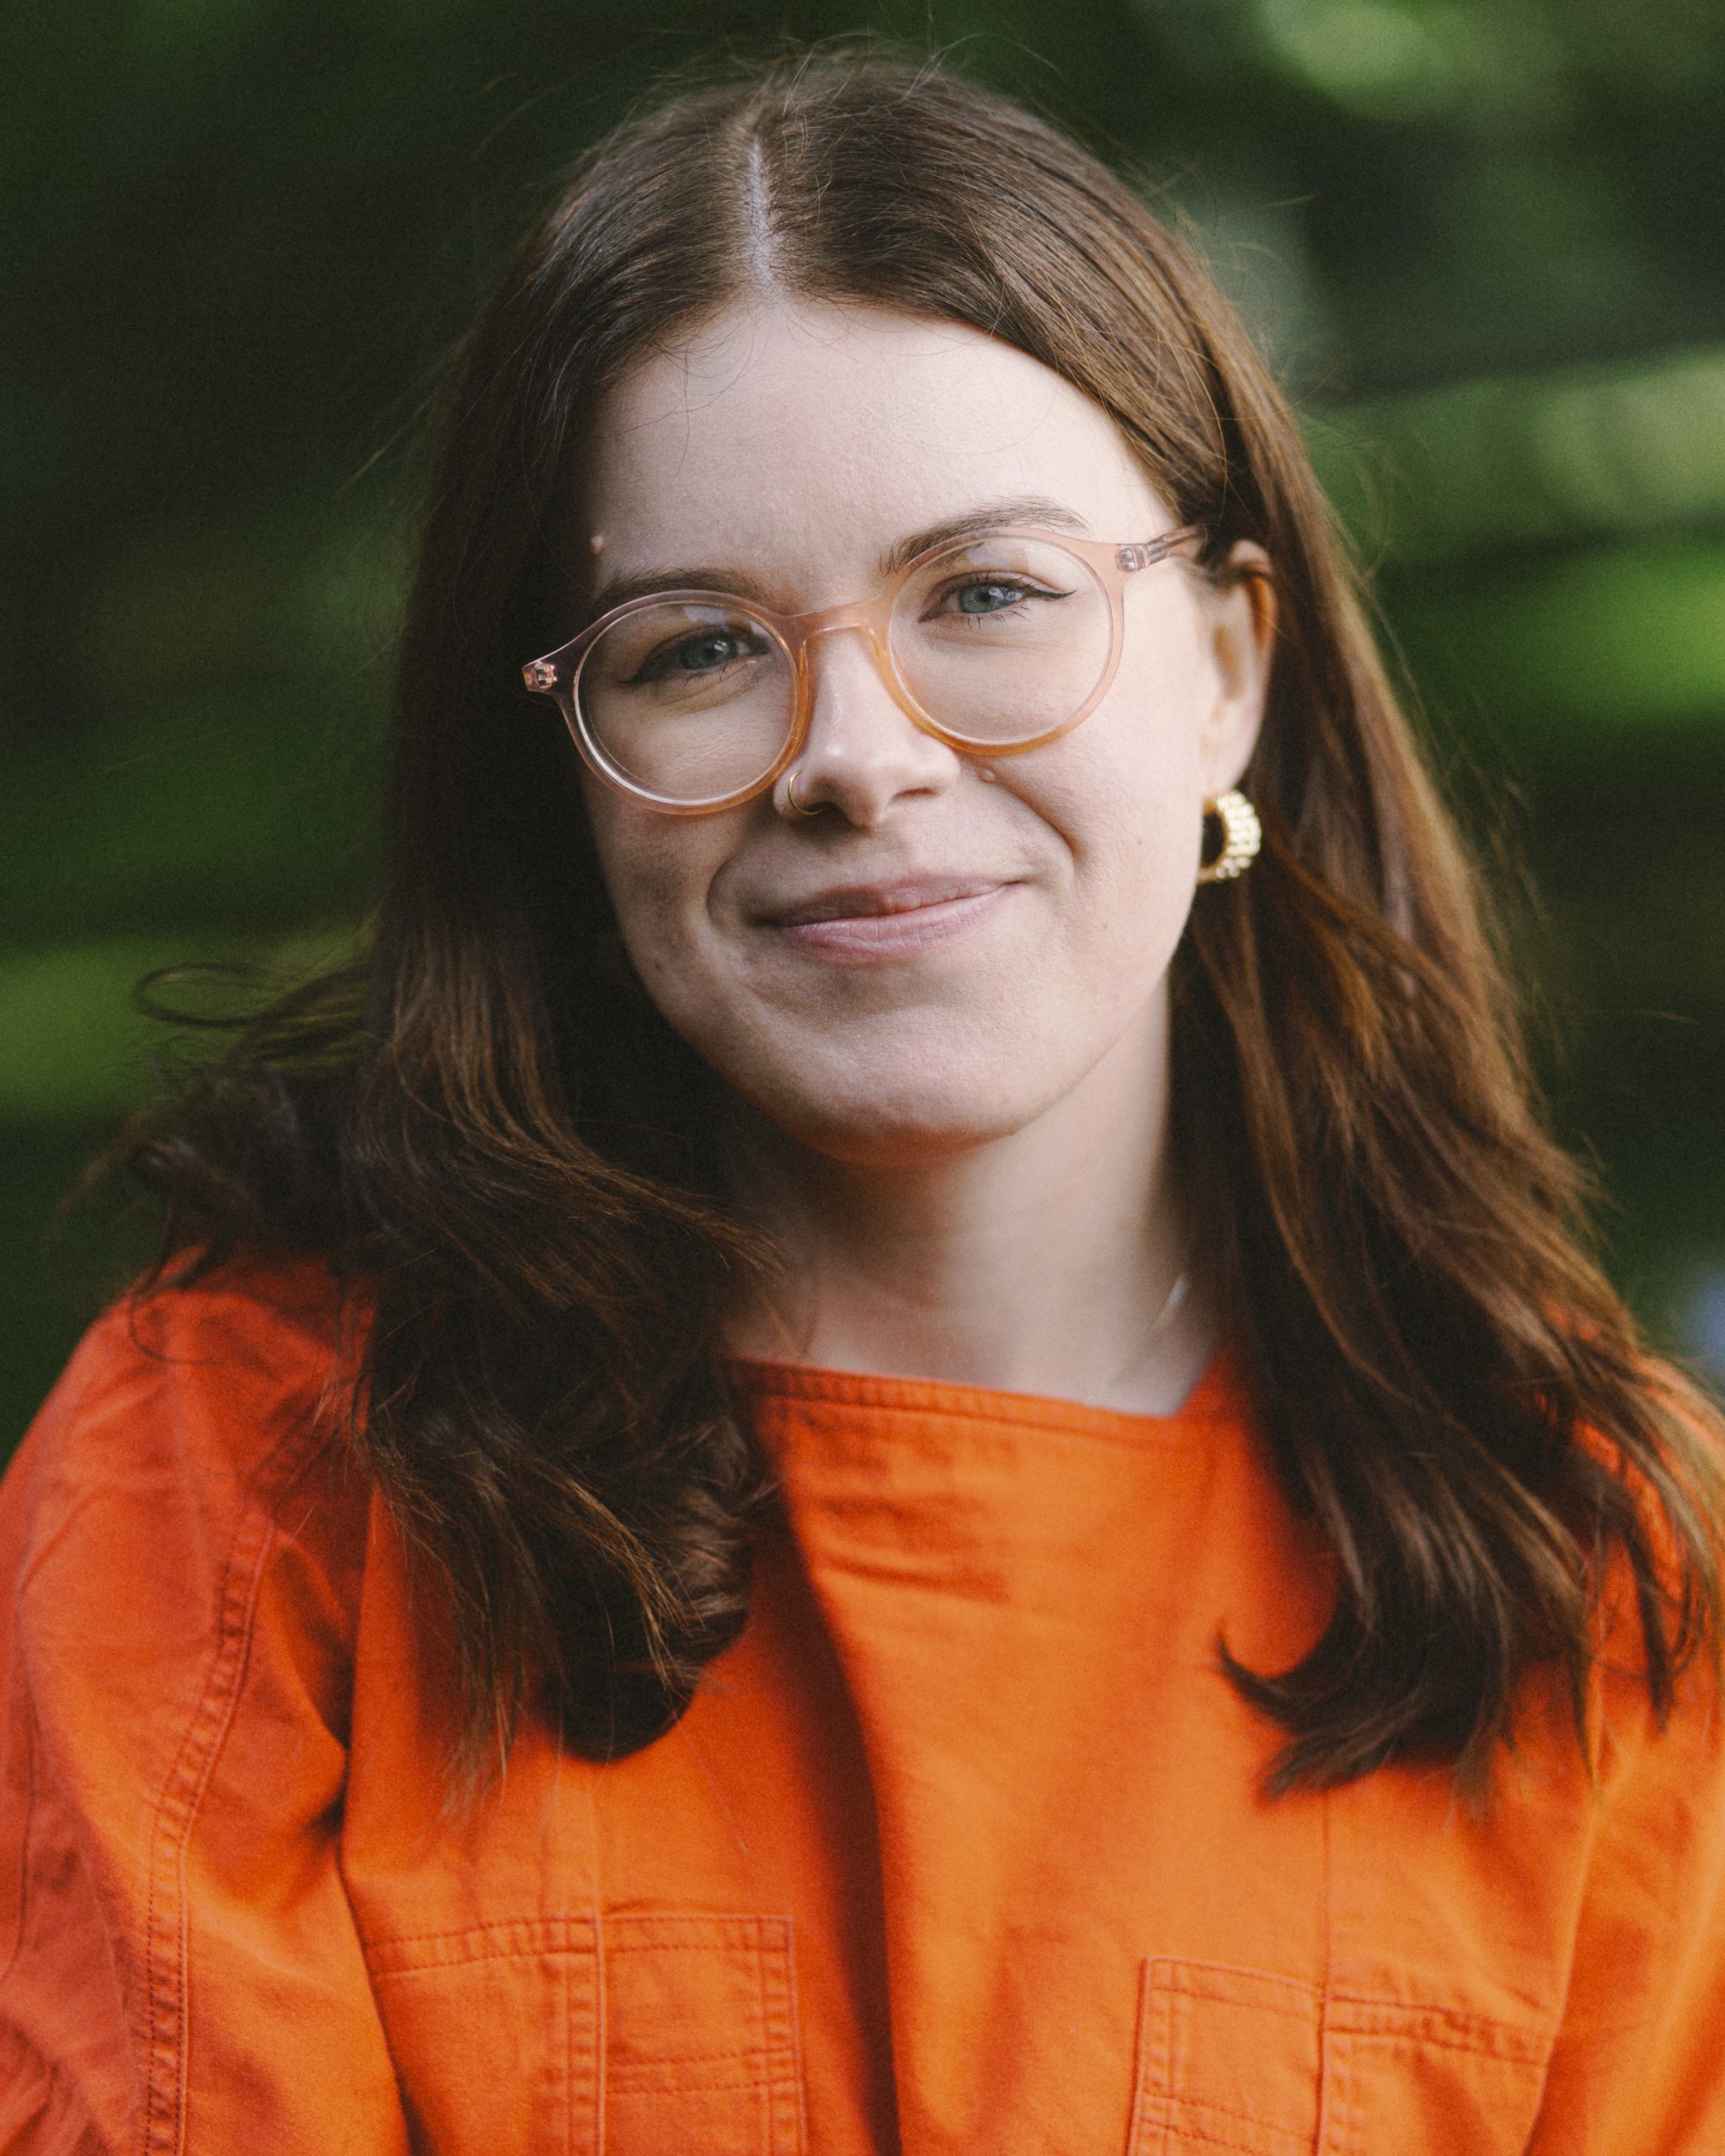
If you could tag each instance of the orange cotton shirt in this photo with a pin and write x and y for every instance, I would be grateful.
(961, 1847)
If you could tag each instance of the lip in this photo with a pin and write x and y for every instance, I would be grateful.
(867, 923)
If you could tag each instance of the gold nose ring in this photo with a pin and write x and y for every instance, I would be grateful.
(791, 795)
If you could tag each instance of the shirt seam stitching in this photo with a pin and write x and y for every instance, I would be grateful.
(167, 1919)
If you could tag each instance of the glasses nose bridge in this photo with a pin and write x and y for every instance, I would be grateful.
(868, 618)
(865, 615)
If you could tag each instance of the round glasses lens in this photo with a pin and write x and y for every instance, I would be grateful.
(1002, 640)
(687, 702)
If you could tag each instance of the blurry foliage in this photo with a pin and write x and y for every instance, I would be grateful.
(1483, 240)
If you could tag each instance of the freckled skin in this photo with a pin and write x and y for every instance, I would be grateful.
(799, 443)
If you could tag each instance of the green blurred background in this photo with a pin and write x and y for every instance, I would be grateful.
(1484, 241)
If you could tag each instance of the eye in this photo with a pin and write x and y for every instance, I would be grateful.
(981, 596)
(993, 597)
(695, 654)
(707, 651)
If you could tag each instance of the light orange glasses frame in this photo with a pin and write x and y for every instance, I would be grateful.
(557, 674)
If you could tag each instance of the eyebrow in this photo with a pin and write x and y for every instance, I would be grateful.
(1040, 509)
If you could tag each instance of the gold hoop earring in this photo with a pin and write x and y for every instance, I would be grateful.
(1242, 835)
(791, 795)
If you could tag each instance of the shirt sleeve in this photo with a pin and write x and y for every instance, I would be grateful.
(181, 1541)
(1638, 2068)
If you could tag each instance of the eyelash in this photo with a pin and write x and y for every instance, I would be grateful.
(1023, 587)
(656, 663)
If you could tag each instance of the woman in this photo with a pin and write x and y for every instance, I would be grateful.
(841, 1466)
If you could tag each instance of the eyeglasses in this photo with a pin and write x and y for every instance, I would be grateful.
(996, 644)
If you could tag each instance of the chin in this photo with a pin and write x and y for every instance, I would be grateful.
(906, 1127)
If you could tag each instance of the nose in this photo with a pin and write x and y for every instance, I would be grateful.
(863, 752)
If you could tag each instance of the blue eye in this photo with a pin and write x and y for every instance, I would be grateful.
(709, 651)
(991, 598)
(701, 654)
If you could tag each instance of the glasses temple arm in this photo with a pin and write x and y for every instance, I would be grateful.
(1147, 552)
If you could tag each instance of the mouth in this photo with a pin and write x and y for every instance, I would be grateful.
(871, 922)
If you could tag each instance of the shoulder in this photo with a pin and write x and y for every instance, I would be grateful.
(184, 1540)
(1653, 1731)
(238, 1373)
(1662, 1556)
(196, 1429)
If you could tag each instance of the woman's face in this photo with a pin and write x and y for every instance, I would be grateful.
(950, 947)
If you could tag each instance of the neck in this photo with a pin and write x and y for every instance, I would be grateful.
(1040, 1262)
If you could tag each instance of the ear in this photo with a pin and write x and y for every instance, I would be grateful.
(1243, 616)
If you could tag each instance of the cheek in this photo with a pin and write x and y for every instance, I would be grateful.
(1130, 789)
(1128, 803)
(652, 879)
(657, 871)
(1146, 873)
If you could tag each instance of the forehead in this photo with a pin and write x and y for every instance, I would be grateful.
(784, 428)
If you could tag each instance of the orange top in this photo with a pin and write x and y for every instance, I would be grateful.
(959, 1850)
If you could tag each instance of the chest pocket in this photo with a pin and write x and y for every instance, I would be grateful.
(624, 2036)
(1236, 2063)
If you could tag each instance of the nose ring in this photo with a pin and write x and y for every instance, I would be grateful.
(791, 795)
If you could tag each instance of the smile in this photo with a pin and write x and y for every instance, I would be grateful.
(876, 923)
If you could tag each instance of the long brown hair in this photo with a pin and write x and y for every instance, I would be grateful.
(490, 1128)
